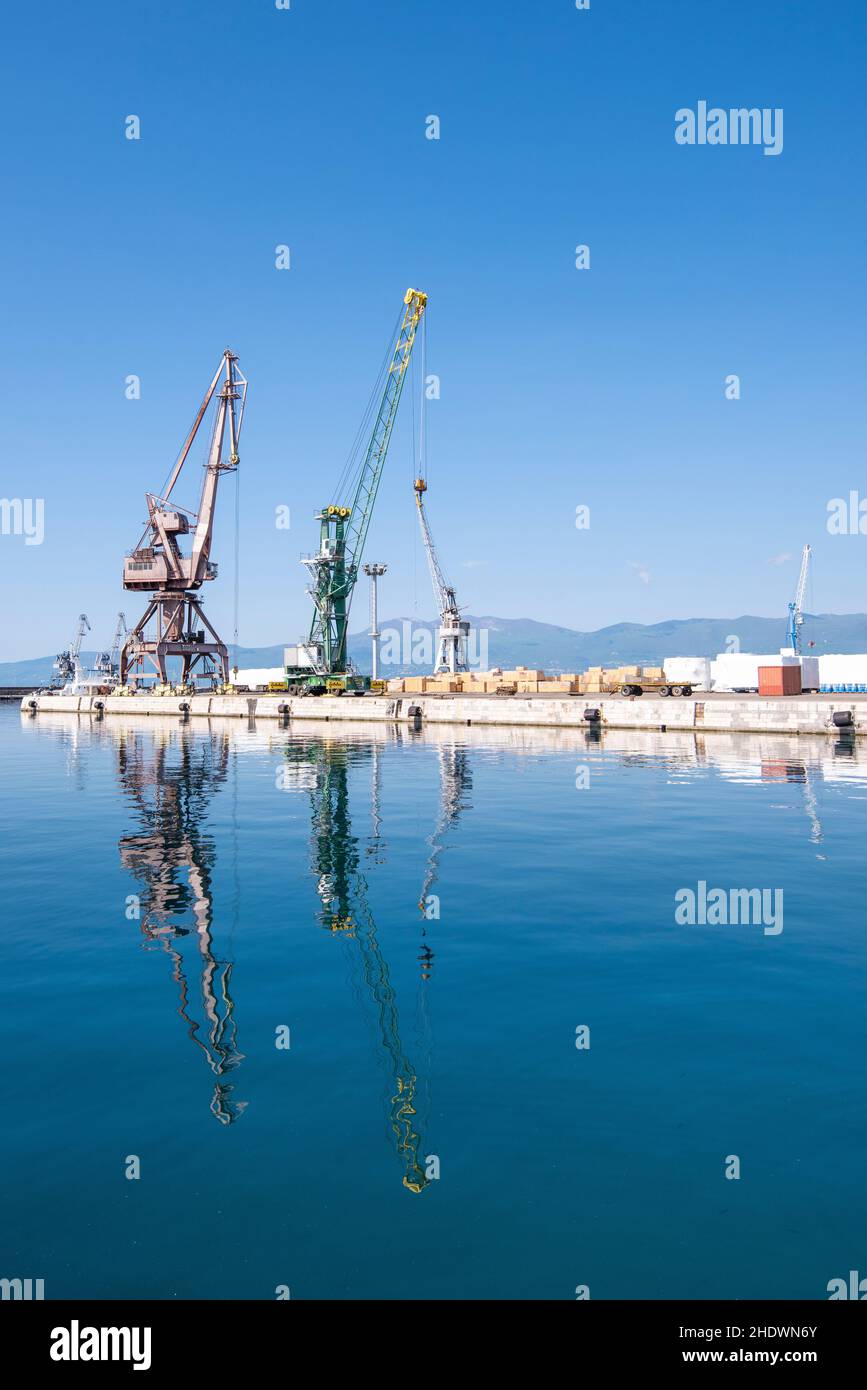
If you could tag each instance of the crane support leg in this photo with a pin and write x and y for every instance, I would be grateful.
(182, 631)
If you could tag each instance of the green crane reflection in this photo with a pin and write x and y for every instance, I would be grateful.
(323, 766)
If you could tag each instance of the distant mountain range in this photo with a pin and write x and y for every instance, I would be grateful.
(524, 642)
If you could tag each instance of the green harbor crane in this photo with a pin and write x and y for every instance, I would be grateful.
(322, 663)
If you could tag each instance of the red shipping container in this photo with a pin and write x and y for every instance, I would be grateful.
(779, 680)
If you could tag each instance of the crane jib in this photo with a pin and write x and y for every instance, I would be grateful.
(334, 568)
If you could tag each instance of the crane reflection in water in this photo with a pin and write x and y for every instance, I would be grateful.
(171, 778)
(456, 781)
(321, 767)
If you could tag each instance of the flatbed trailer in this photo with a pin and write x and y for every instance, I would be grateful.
(652, 685)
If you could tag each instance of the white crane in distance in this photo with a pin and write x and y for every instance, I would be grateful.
(106, 663)
(68, 665)
(453, 631)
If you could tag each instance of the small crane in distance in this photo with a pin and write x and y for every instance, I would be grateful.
(796, 607)
(106, 663)
(68, 664)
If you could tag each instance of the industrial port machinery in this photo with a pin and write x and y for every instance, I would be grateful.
(334, 568)
(453, 631)
(796, 607)
(179, 626)
(106, 663)
(68, 663)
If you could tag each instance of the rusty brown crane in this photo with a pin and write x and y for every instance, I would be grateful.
(173, 624)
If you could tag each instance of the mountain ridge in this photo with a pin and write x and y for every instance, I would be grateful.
(548, 646)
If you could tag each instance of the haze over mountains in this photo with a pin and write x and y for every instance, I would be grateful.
(524, 642)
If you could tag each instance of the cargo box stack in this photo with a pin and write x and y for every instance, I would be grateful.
(592, 680)
(566, 684)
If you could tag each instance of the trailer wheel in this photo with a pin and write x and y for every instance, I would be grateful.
(677, 690)
(637, 690)
(687, 690)
(626, 690)
(664, 690)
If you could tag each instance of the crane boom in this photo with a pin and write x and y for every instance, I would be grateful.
(343, 530)
(453, 631)
(83, 627)
(796, 607)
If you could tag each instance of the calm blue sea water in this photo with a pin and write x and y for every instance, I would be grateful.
(173, 896)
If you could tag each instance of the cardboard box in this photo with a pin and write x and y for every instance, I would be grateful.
(559, 687)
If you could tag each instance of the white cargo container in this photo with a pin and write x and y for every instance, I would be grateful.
(302, 657)
(258, 677)
(688, 670)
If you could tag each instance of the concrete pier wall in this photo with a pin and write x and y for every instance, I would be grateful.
(716, 714)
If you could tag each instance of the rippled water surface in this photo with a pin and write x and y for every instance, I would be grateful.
(179, 899)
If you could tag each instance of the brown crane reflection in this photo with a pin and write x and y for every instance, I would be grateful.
(171, 778)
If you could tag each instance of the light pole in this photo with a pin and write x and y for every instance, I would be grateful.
(374, 571)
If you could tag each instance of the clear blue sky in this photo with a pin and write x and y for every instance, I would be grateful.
(559, 387)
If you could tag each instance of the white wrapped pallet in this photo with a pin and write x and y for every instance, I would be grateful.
(688, 670)
(810, 673)
(840, 671)
(740, 670)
